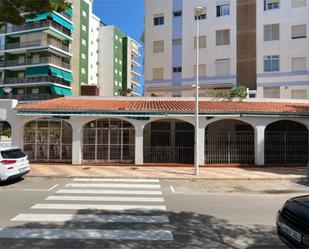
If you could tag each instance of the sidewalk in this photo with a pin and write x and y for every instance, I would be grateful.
(66, 170)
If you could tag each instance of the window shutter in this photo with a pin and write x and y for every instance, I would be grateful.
(222, 67)
(299, 64)
(299, 31)
(298, 3)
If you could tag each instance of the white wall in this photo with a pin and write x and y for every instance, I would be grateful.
(93, 56)
(106, 60)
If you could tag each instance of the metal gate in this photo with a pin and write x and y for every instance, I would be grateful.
(286, 147)
(229, 147)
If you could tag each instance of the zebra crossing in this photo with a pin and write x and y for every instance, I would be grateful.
(96, 203)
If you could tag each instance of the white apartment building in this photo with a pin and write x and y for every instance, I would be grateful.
(238, 46)
(283, 49)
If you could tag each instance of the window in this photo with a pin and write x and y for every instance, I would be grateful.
(35, 91)
(20, 91)
(223, 37)
(202, 42)
(84, 28)
(298, 3)
(84, 13)
(299, 64)
(116, 71)
(271, 92)
(84, 42)
(202, 70)
(83, 56)
(158, 73)
(116, 60)
(158, 46)
(203, 15)
(177, 13)
(120, 62)
(299, 94)
(158, 20)
(271, 4)
(177, 69)
(272, 63)
(120, 73)
(223, 67)
(299, 31)
(116, 37)
(223, 10)
(116, 83)
(83, 70)
(271, 32)
(177, 42)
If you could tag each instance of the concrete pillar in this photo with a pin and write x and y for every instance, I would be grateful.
(139, 144)
(17, 131)
(77, 129)
(201, 137)
(259, 145)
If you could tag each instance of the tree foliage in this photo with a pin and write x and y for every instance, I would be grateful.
(16, 11)
(237, 92)
(125, 93)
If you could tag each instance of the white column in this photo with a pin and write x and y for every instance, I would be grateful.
(139, 144)
(201, 137)
(17, 131)
(259, 145)
(77, 143)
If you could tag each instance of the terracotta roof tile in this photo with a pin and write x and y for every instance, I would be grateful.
(167, 105)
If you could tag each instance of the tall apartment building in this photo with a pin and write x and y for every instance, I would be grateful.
(261, 45)
(57, 54)
(118, 61)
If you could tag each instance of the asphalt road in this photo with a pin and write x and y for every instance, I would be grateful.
(39, 213)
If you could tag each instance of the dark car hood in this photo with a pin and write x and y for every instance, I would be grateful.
(299, 205)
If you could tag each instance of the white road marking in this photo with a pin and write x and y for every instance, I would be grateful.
(88, 218)
(103, 198)
(85, 234)
(172, 189)
(112, 185)
(41, 190)
(114, 180)
(97, 207)
(108, 191)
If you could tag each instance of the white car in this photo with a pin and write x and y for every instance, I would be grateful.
(13, 163)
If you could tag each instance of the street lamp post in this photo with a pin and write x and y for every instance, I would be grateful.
(198, 13)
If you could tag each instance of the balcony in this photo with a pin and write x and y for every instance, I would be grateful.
(29, 97)
(38, 79)
(18, 45)
(41, 60)
(38, 25)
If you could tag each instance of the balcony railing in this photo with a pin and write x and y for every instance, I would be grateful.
(29, 97)
(38, 79)
(17, 45)
(37, 25)
(41, 60)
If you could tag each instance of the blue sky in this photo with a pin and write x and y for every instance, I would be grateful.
(127, 15)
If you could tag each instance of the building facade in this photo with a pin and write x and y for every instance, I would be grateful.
(119, 55)
(261, 45)
(147, 131)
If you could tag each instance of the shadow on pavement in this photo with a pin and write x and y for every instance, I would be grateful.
(190, 230)
(11, 182)
(283, 170)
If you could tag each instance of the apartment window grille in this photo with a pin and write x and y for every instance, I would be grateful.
(35, 91)
(272, 63)
(299, 31)
(158, 73)
(299, 64)
(177, 13)
(271, 92)
(177, 69)
(222, 37)
(177, 42)
(298, 3)
(203, 15)
(158, 46)
(299, 94)
(223, 10)
(202, 42)
(271, 4)
(202, 70)
(223, 67)
(271, 32)
(158, 20)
